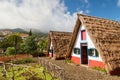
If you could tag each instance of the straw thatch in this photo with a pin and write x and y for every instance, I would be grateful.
(105, 35)
(60, 42)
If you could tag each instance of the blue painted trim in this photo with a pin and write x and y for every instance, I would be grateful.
(77, 48)
(93, 57)
(81, 54)
(87, 55)
(85, 41)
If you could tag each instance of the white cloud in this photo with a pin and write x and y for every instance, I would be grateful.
(87, 11)
(118, 3)
(86, 1)
(43, 15)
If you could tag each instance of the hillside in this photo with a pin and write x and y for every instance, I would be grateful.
(40, 34)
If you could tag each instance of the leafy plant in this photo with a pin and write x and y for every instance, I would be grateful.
(99, 69)
(26, 73)
(10, 51)
(68, 60)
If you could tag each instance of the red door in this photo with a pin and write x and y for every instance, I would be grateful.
(84, 56)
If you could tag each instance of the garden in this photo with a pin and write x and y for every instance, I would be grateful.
(17, 61)
(24, 69)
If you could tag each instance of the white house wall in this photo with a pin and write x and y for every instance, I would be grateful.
(89, 44)
(50, 47)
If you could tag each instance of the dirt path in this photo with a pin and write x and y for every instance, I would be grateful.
(73, 72)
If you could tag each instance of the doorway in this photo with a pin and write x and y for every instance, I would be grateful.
(84, 56)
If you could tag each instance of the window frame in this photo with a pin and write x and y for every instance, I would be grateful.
(94, 54)
(76, 51)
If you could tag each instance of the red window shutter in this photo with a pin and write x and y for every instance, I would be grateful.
(83, 35)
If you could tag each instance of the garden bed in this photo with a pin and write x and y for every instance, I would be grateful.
(14, 57)
(25, 72)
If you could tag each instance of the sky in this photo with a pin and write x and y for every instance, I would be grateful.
(55, 15)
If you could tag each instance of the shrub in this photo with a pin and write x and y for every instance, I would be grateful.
(10, 51)
(24, 61)
(68, 60)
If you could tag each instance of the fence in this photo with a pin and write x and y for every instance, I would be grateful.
(54, 69)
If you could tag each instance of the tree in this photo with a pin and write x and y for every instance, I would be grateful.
(10, 51)
(14, 40)
(42, 44)
(30, 33)
(4, 44)
(30, 45)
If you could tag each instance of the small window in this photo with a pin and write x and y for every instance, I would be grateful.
(93, 52)
(51, 50)
(83, 35)
(76, 51)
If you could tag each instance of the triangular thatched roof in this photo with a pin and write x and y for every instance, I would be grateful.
(60, 42)
(105, 35)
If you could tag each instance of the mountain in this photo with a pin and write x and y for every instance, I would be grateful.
(39, 33)
(15, 30)
(18, 30)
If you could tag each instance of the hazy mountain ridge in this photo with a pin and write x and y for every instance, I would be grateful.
(41, 34)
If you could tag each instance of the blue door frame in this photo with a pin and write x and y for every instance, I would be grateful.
(81, 55)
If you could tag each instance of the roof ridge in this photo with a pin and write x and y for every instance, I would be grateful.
(60, 31)
(98, 18)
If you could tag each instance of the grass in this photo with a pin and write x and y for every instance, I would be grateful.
(68, 60)
(99, 69)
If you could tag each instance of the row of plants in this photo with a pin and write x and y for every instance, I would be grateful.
(15, 57)
(18, 69)
(31, 72)
(24, 61)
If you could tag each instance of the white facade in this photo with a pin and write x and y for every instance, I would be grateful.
(89, 45)
(51, 47)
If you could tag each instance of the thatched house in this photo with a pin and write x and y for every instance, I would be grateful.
(58, 44)
(96, 43)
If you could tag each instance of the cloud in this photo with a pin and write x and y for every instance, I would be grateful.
(87, 11)
(43, 15)
(118, 3)
(85, 5)
(86, 1)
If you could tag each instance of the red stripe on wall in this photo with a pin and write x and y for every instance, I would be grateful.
(75, 60)
(93, 63)
(50, 55)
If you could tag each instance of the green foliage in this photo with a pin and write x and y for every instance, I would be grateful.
(42, 45)
(10, 51)
(15, 40)
(68, 60)
(5, 43)
(24, 61)
(30, 33)
(26, 73)
(30, 45)
(99, 69)
(12, 40)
